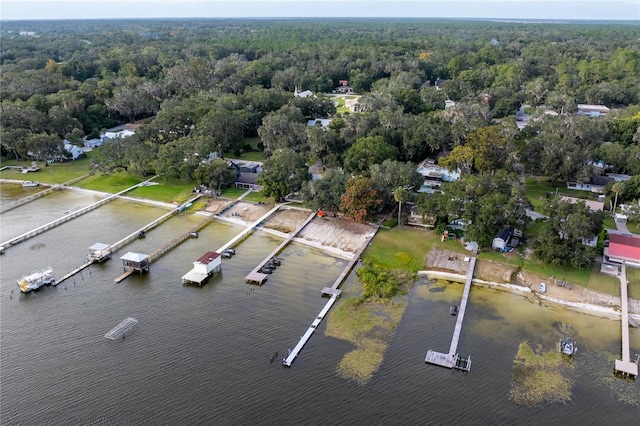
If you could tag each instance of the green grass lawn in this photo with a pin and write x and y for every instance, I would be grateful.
(254, 155)
(406, 248)
(512, 258)
(233, 192)
(168, 191)
(633, 276)
(54, 173)
(258, 197)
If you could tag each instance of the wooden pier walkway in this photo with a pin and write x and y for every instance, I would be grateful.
(257, 277)
(126, 240)
(245, 233)
(452, 359)
(625, 366)
(68, 217)
(288, 360)
(22, 201)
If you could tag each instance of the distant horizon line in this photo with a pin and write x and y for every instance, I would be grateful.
(438, 18)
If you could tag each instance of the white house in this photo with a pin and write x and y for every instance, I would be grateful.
(303, 94)
(592, 110)
(92, 143)
(74, 151)
(106, 136)
(501, 240)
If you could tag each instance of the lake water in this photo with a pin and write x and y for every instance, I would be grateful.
(201, 355)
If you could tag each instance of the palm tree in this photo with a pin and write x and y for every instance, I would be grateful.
(400, 195)
(618, 188)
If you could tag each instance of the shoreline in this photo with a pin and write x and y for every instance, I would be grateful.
(589, 308)
(586, 308)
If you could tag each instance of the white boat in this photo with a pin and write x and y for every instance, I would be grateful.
(30, 183)
(568, 347)
(36, 280)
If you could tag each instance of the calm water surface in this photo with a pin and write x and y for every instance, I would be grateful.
(201, 355)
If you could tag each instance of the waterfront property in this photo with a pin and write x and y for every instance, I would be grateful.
(208, 264)
(453, 359)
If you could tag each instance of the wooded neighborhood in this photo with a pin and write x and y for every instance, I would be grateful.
(502, 106)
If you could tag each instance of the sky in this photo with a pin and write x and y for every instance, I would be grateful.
(496, 9)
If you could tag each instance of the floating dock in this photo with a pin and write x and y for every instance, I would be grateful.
(257, 277)
(121, 329)
(453, 359)
(625, 366)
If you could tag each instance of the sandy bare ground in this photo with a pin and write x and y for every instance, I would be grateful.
(337, 232)
(336, 235)
(287, 219)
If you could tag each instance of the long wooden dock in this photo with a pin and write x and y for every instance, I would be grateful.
(247, 231)
(257, 277)
(625, 366)
(333, 292)
(68, 217)
(288, 360)
(22, 201)
(452, 358)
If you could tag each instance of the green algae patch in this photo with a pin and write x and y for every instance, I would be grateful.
(540, 376)
(369, 326)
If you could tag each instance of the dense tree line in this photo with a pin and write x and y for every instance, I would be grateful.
(209, 84)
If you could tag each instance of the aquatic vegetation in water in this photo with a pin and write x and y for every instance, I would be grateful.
(540, 376)
(621, 388)
(369, 326)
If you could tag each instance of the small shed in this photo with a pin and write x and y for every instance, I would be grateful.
(135, 261)
(206, 265)
(501, 239)
(99, 252)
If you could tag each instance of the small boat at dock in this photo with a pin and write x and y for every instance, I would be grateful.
(36, 280)
(453, 310)
(274, 356)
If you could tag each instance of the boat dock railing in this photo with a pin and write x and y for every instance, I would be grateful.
(68, 217)
(22, 201)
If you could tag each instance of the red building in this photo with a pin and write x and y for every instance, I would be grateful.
(623, 247)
